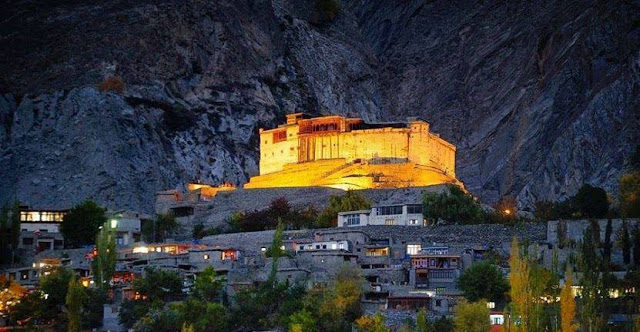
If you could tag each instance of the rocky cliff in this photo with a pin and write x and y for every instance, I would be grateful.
(539, 96)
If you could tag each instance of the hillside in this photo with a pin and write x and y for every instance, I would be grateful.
(539, 97)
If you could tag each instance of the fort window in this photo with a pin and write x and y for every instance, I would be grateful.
(279, 136)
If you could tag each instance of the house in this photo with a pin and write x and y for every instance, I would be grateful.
(401, 214)
(40, 229)
(128, 225)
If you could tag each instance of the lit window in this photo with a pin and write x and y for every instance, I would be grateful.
(263, 249)
(413, 249)
(205, 256)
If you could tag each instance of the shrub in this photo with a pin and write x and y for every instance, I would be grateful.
(114, 83)
(329, 9)
(454, 206)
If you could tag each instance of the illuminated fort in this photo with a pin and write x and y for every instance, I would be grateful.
(347, 153)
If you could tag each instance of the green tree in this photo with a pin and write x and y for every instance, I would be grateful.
(158, 284)
(520, 290)
(4, 235)
(81, 224)
(624, 242)
(422, 323)
(636, 245)
(340, 304)
(350, 201)
(92, 308)
(202, 315)
(73, 303)
(104, 264)
(591, 296)
(208, 285)
(607, 244)
(14, 230)
(629, 194)
(164, 225)
(454, 206)
(374, 323)
(483, 281)
(329, 9)
(302, 320)
(471, 317)
(591, 202)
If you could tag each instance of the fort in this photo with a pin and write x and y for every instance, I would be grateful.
(348, 153)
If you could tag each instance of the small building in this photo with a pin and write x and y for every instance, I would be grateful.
(128, 226)
(322, 245)
(434, 267)
(40, 229)
(405, 215)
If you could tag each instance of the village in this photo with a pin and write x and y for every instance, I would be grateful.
(409, 261)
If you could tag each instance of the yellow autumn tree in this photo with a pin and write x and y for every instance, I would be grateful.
(520, 291)
(568, 305)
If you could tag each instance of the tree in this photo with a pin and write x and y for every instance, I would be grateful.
(591, 202)
(483, 281)
(302, 320)
(4, 235)
(568, 305)
(81, 224)
(208, 285)
(202, 315)
(636, 245)
(624, 242)
(92, 308)
(454, 206)
(422, 323)
(164, 224)
(591, 296)
(104, 263)
(73, 303)
(520, 285)
(471, 317)
(14, 230)
(340, 304)
(606, 245)
(157, 284)
(629, 193)
(375, 323)
(350, 201)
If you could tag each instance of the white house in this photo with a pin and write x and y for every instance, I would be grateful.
(405, 215)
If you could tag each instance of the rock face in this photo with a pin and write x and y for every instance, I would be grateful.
(539, 97)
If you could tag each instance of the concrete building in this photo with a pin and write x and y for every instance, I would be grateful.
(347, 153)
(128, 226)
(40, 229)
(403, 215)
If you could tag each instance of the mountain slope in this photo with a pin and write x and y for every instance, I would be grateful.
(539, 98)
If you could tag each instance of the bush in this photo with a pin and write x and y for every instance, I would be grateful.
(591, 202)
(454, 206)
(329, 9)
(81, 224)
(350, 201)
(115, 84)
(483, 281)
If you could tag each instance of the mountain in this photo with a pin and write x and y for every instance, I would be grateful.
(539, 96)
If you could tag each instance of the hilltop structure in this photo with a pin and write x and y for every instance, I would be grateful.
(348, 153)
